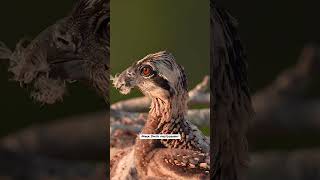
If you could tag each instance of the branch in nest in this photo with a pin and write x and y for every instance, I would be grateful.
(124, 126)
(74, 138)
(291, 84)
(200, 94)
(87, 139)
(281, 106)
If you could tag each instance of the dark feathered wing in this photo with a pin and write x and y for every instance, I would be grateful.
(230, 98)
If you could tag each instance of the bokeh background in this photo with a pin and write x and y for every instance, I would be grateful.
(284, 137)
(143, 27)
(274, 34)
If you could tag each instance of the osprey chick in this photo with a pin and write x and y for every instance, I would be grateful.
(164, 81)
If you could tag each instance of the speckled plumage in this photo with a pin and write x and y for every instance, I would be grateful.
(191, 138)
(186, 158)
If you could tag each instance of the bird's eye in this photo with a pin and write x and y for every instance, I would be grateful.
(147, 71)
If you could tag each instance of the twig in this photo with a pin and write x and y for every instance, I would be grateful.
(282, 106)
(291, 83)
(200, 94)
(75, 138)
(124, 126)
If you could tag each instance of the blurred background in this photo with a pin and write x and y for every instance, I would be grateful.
(143, 27)
(282, 43)
(274, 34)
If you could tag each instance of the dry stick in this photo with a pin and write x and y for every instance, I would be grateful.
(124, 126)
(80, 137)
(199, 117)
(76, 138)
(282, 107)
(290, 84)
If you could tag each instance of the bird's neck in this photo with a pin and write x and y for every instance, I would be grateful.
(162, 112)
(166, 109)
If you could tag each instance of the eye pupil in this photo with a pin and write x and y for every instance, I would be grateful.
(146, 71)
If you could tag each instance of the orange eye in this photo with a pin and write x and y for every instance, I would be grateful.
(146, 71)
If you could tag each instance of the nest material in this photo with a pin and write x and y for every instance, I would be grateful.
(29, 67)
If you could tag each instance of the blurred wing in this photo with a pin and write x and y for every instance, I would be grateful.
(230, 97)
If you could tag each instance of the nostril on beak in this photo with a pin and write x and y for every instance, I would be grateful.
(62, 40)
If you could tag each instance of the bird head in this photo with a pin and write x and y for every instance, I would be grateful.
(156, 75)
(76, 48)
(80, 45)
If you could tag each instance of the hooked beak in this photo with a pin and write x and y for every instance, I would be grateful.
(71, 70)
(125, 81)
